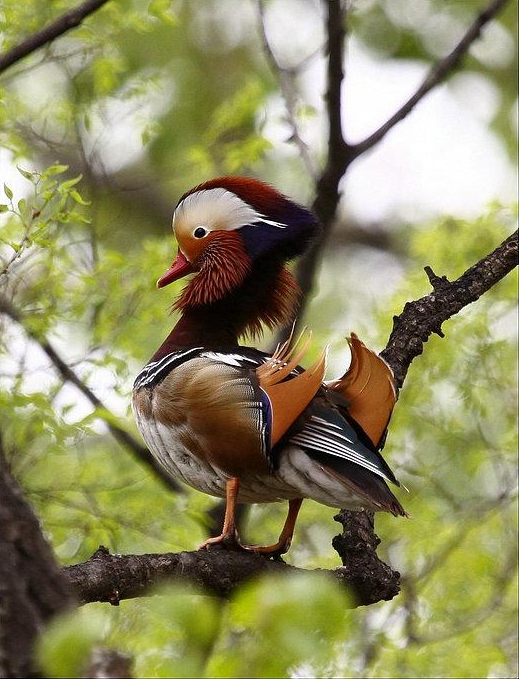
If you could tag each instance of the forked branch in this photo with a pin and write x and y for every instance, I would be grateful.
(425, 316)
(340, 153)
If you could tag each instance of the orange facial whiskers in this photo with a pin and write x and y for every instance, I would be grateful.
(223, 268)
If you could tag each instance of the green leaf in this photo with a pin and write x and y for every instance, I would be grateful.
(75, 195)
(54, 169)
(8, 192)
(66, 644)
(75, 216)
(65, 186)
(162, 10)
(105, 72)
(3, 207)
(25, 173)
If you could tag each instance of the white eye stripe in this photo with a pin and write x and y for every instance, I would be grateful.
(278, 225)
(218, 207)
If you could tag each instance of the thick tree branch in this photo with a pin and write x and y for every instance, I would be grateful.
(436, 75)
(58, 27)
(128, 441)
(421, 318)
(112, 577)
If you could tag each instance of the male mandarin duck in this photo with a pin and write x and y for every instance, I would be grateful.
(236, 422)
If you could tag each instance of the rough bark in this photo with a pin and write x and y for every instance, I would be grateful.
(114, 577)
(32, 587)
(424, 316)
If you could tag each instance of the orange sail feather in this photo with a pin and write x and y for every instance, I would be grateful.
(368, 386)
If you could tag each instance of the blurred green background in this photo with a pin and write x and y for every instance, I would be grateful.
(110, 124)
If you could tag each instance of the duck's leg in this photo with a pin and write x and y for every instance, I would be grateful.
(283, 544)
(229, 534)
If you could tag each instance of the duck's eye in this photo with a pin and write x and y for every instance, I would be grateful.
(200, 232)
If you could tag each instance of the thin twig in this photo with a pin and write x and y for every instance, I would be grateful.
(58, 27)
(434, 77)
(68, 375)
(285, 78)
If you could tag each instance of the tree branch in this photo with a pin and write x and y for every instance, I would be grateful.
(58, 27)
(114, 577)
(340, 153)
(68, 375)
(435, 76)
(421, 318)
(327, 186)
(107, 577)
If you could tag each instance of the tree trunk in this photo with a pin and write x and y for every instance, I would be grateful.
(32, 588)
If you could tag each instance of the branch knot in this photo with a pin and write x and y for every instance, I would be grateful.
(439, 283)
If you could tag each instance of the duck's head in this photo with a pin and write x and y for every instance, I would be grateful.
(229, 227)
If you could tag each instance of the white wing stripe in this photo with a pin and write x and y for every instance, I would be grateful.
(230, 359)
(324, 431)
(152, 370)
(335, 448)
(321, 420)
(362, 462)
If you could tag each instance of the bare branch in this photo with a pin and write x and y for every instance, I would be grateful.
(435, 76)
(424, 316)
(340, 153)
(58, 27)
(68, 375)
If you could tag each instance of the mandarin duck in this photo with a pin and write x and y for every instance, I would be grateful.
(236, 422)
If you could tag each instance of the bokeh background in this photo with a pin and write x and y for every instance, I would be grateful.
(102, 131)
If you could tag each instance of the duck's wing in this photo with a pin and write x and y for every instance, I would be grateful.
(330, 438)
(328, 431)
(209, 403)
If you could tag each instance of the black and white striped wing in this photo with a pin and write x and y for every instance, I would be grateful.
(329, 435)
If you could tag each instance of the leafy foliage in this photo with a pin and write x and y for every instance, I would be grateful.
(78, 258)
